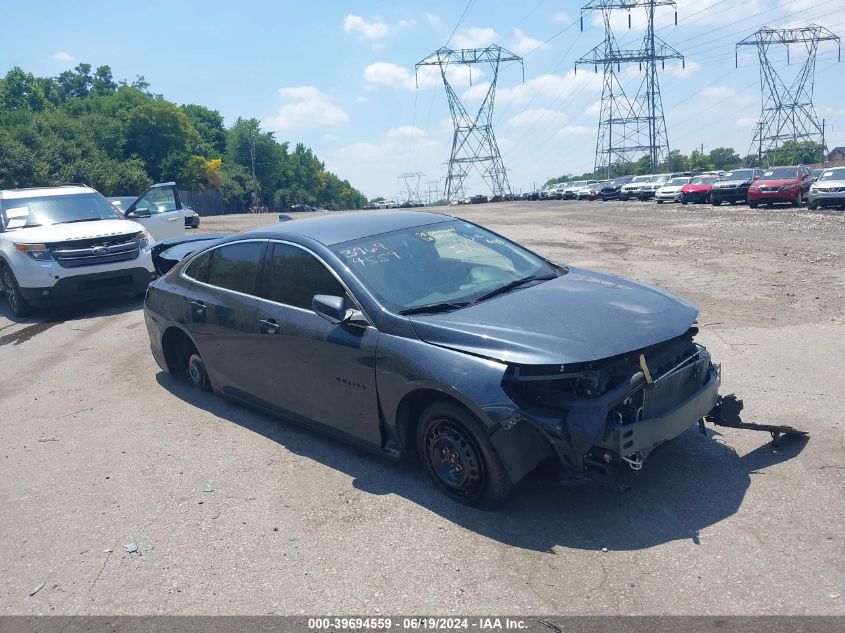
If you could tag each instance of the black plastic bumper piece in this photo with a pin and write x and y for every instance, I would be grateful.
(79, 288)
(726, 413)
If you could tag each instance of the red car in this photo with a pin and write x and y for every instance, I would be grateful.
(781, 184)
(698, 190)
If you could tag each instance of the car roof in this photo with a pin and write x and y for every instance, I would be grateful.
(338, 227)
(36, 192)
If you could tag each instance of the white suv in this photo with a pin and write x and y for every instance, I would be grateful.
(68, 244)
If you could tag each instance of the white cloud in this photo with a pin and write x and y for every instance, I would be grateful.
(374, 166)
(747, 122)
(432, 19)
(594, 109)
(718, 92)
(562, 17)
(537, 116)
(399, 77)
(373, 30)
(475, 37)
(63, 57)
(522, 43)
(550, 86)
(329, 137)
(306, 107)
(387, 74)
(575, 130)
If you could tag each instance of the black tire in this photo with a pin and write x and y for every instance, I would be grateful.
(800, 201)
(17, 304)
(812, 206)
(197, 375)
(715, 200)
(752, 205)
(460, 458)
(660, 202)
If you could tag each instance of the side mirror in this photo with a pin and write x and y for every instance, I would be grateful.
(333, 309)
(135, 214)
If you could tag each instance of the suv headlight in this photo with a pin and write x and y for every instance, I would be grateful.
(38, 252)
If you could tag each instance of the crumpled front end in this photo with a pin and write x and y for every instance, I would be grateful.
(615, 411)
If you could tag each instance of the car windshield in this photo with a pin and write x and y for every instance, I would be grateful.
(641, 179)
(704, 180)
(739, 174)
(21, 213)
(620, 181)
(677, 182)
(579, 184)
(440, 266)
(833, 174)
(779, 173)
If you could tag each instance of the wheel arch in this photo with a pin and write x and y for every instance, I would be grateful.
(177, 347)
(411, 406)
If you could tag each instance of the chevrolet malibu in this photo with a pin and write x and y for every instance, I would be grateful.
(423, 334)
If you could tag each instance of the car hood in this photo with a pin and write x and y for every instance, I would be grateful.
(780, 182)
(670, 188)
(829, 183)
(74, 231)
(696, 187)
(729, 183)
(578, 317)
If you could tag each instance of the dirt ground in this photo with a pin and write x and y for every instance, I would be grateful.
(235, 512)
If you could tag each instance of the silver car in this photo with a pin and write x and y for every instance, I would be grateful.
(828, 190)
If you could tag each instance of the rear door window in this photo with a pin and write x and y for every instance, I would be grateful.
(294, 276)
(235, 266)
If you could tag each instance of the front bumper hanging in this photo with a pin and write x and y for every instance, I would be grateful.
(726, 413)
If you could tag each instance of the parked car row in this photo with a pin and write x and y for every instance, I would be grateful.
(794, 185)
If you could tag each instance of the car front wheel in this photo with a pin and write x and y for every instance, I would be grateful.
(17, 304)
(197, 374)
(460, 457)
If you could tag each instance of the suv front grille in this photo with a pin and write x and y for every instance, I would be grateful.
(94, 251)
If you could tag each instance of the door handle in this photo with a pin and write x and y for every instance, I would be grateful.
(199, 306)
(268, 326)
(172, 219)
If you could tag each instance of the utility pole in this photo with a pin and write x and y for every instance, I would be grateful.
(629, 128)
(787, 111)
(473, 143)
(411, 180)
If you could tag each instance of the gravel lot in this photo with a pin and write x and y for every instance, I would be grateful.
(238, 513)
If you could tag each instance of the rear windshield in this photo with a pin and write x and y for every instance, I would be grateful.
(676, 182)
(833, 174)
(704, 180)
(739, 174)
(21, 213)
(779, 173)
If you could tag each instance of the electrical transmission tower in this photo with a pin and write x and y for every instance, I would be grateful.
(629, 128)
(412, 180)
(788, 117)
(474, 143)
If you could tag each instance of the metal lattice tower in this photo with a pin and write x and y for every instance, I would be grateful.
(412, 181)
(630, 128)
(474, 143)
(787, 112)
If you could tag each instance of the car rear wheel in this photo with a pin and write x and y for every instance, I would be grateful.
(197, 374)
(460, 458)
(17, 304)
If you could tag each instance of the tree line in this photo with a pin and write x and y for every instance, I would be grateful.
(117, 136)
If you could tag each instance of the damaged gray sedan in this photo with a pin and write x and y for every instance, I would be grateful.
(422, 334)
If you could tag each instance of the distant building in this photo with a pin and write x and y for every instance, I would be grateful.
(836, 156)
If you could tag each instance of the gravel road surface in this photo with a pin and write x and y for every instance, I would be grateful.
(234, 512)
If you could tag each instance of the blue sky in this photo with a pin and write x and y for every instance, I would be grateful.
(339, 76)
